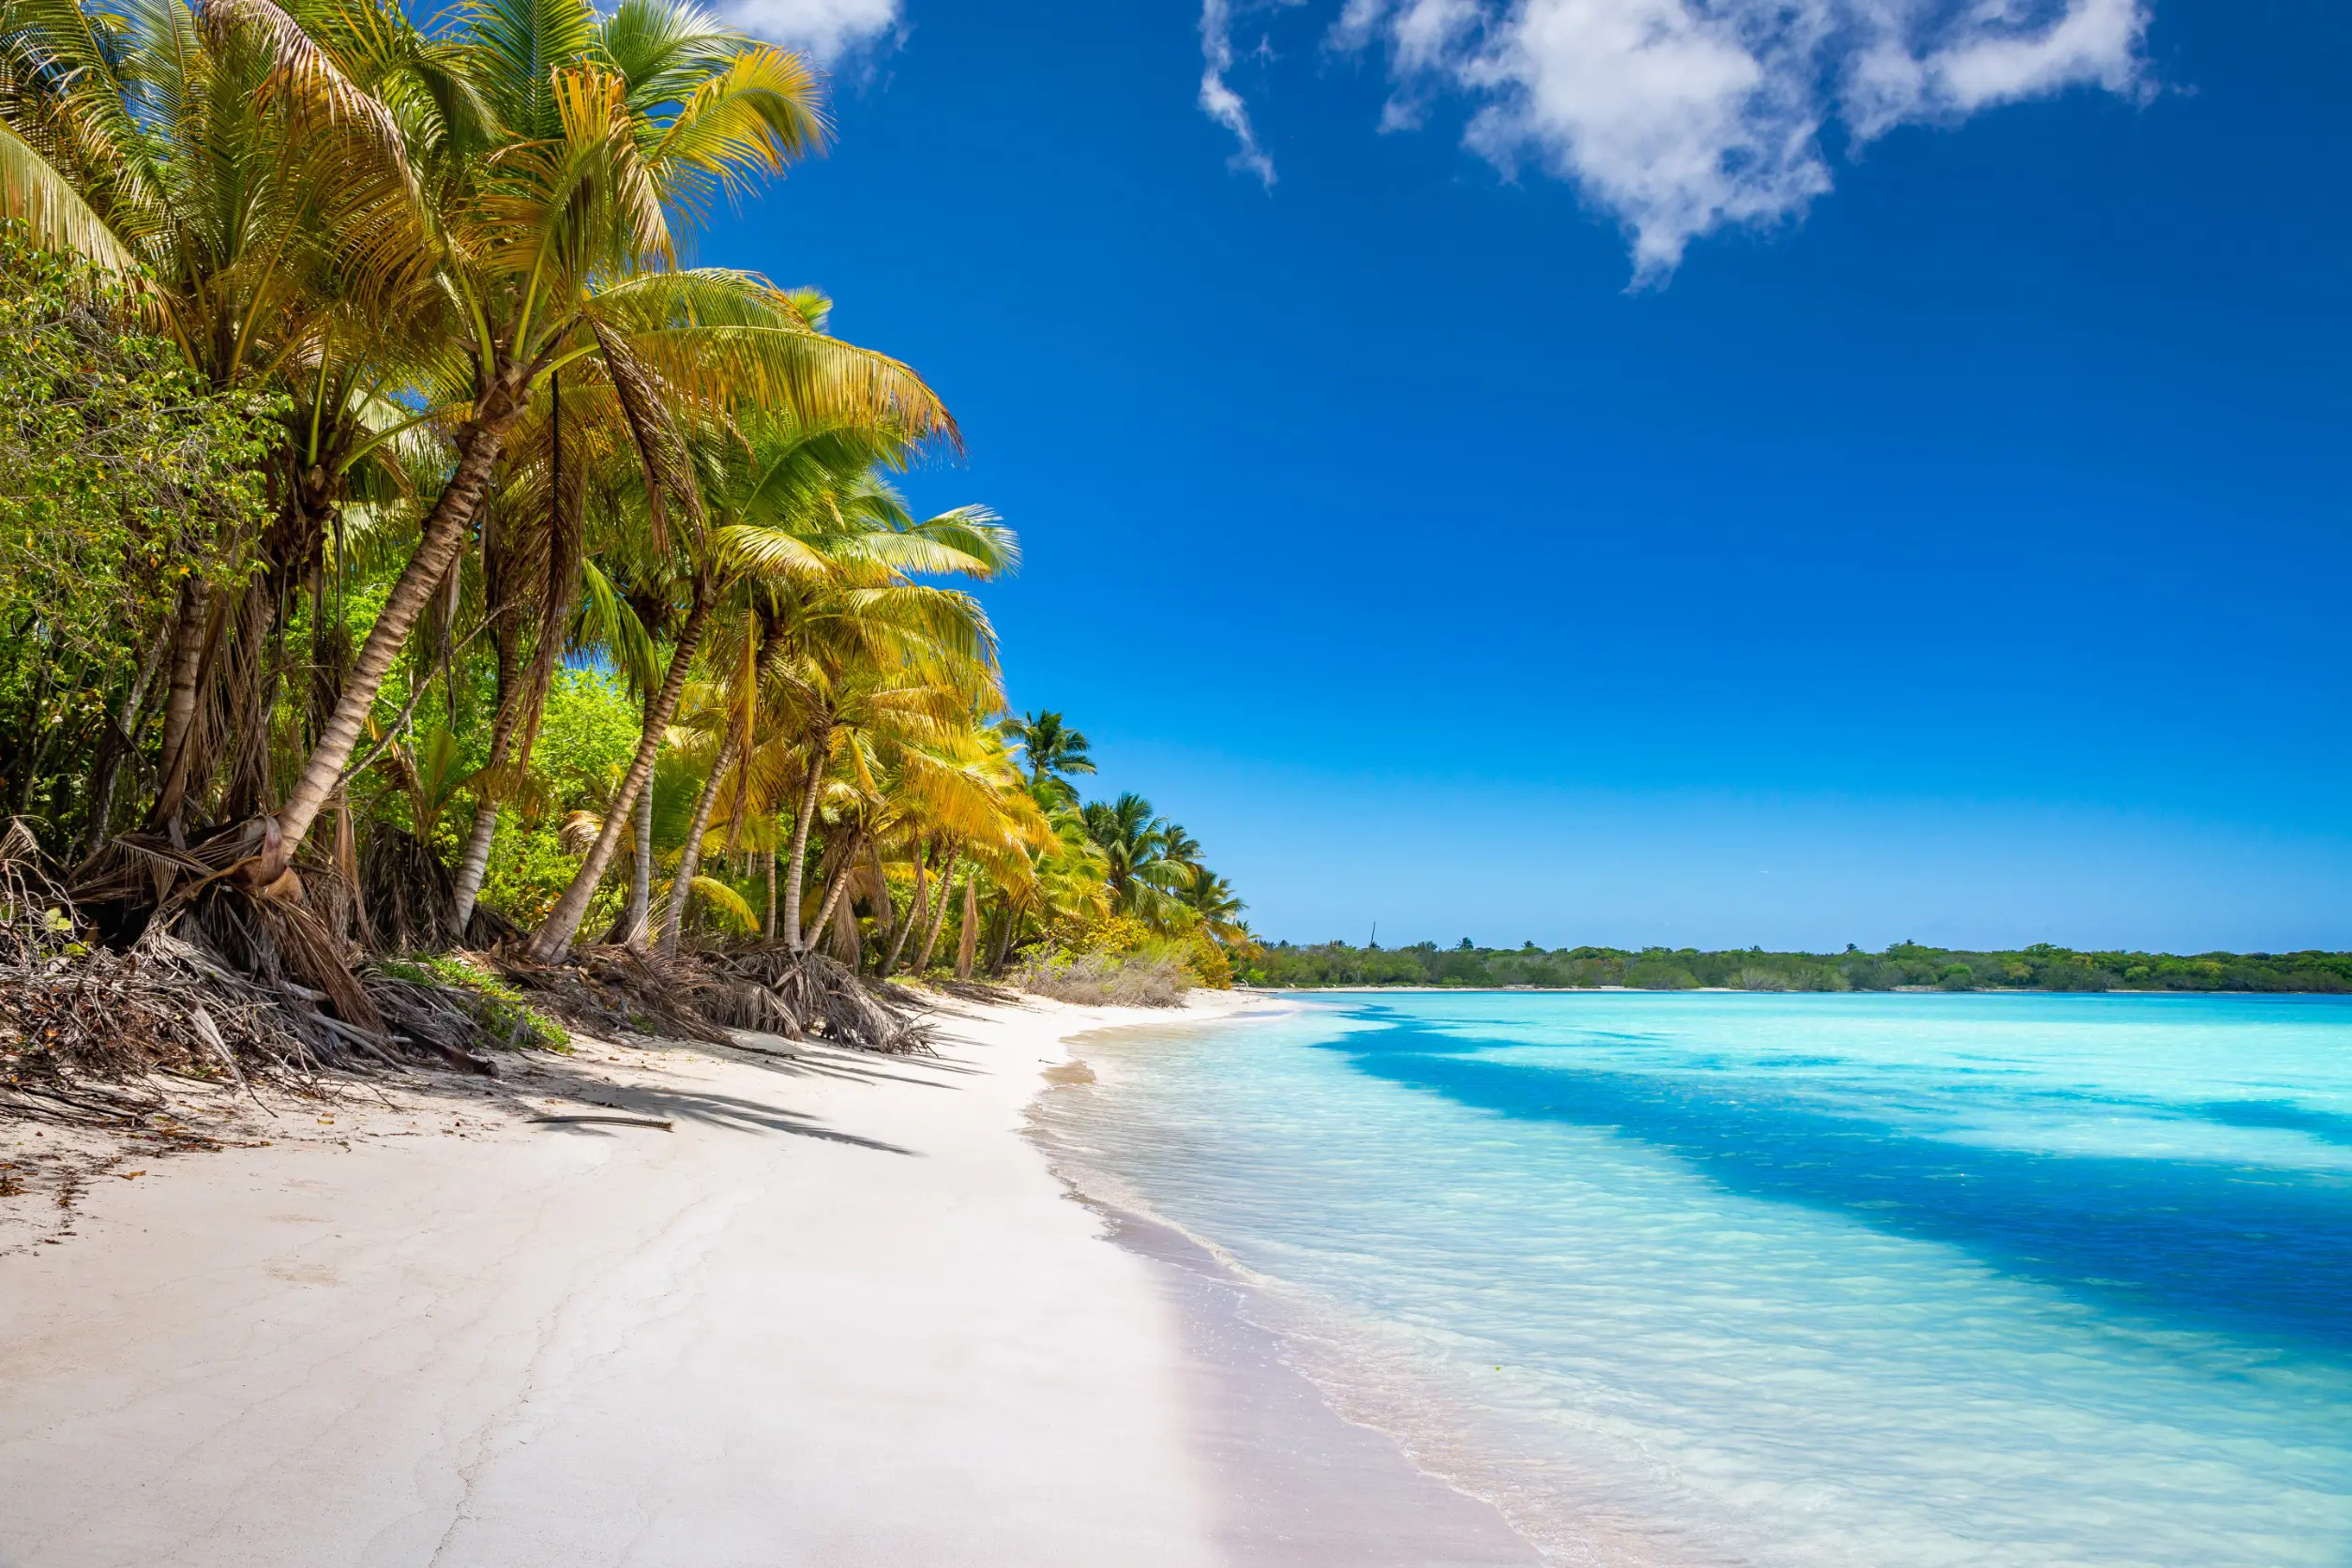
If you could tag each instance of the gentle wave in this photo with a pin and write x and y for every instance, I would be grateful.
(1813, 1282)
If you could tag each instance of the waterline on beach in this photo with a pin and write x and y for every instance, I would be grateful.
(1846, 1280)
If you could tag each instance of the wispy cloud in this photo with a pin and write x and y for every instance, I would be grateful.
(1682, 116)
(825, 30)
(1218, 100)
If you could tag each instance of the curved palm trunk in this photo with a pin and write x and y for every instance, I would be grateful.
(938, 915)
(691, 858)
(833, 890)
(179, 702)
(915, 917)
(886, 918)
(475, 866)
(1004, 943)
(630, 925)
(796, 864)
(682, 889)
(554, 939)
(444, 535)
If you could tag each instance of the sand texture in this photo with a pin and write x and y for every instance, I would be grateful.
(840, 1313)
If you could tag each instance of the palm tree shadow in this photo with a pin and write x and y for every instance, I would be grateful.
(727, 1112)
(540, 1078)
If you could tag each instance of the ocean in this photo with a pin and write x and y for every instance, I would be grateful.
(1886, 1281)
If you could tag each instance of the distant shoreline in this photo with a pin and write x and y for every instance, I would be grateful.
(1905, 966)
(1740, 991)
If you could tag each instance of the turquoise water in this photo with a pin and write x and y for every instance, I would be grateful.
(1812, 1281)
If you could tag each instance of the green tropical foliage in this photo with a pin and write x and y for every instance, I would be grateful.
(374, 457)
(1905, 966)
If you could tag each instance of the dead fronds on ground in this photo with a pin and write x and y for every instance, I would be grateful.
(701, 996)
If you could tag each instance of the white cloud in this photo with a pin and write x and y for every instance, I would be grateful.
(1681, 116)
(825, 30)
(1219, 101)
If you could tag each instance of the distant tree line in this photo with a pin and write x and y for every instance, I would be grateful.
(1905, 966)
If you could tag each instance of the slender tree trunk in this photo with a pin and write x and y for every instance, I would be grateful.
(938, 915)
(123, 739)
(475, 864)
(179, 702)
(1004, 938)
(968, 940)
(915, 917)
(637, 914)
(820, 746)
(771, 653)
(480, 444)
(886, 918)
(554, 937)
(834, 888)
(511, 701)
(770, 928)
(691, 858)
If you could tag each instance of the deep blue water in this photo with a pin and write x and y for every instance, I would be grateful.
(1861, 1280)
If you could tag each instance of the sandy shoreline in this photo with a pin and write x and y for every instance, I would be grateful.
(841, 1313)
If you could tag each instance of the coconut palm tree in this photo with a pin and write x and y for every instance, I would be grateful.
(558, 246)
(1212, 899)
(1143, 881)
(1053, 750)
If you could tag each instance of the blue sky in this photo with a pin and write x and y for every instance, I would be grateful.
(1589, 470)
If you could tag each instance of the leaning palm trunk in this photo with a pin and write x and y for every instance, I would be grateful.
(691, 858)
(480, 444)
(474, 867)
(797, 863)
(838, 885)
(886, 918)
(637, 913)
(194, 617)
(968, 940)
(553, 940)
(938, 915)
(1004, 938)
(915, 917)
(475, 864)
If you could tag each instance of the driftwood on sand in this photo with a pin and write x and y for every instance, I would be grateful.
(160, 961)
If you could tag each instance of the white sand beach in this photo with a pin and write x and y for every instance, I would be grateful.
(840, 1313)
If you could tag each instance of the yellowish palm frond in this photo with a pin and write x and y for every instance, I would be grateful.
(53, 212)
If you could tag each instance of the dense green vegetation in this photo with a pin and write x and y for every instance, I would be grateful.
(401, 541)
(1904, 966)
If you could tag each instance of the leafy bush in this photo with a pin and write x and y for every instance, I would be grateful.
(1121, 960)
(1157, 978)
(496, 1007)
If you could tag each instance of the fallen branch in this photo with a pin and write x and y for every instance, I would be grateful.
(603, 1122)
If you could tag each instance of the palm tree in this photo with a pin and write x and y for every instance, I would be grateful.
(237, 179)
(556, 241)
(1143, 881)
(507, 194)
(809, 515)
(1212, 899)
(1054, 750)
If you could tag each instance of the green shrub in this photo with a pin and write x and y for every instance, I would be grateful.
(495, 1005)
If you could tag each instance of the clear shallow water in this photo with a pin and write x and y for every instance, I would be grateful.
(1807, 1281)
